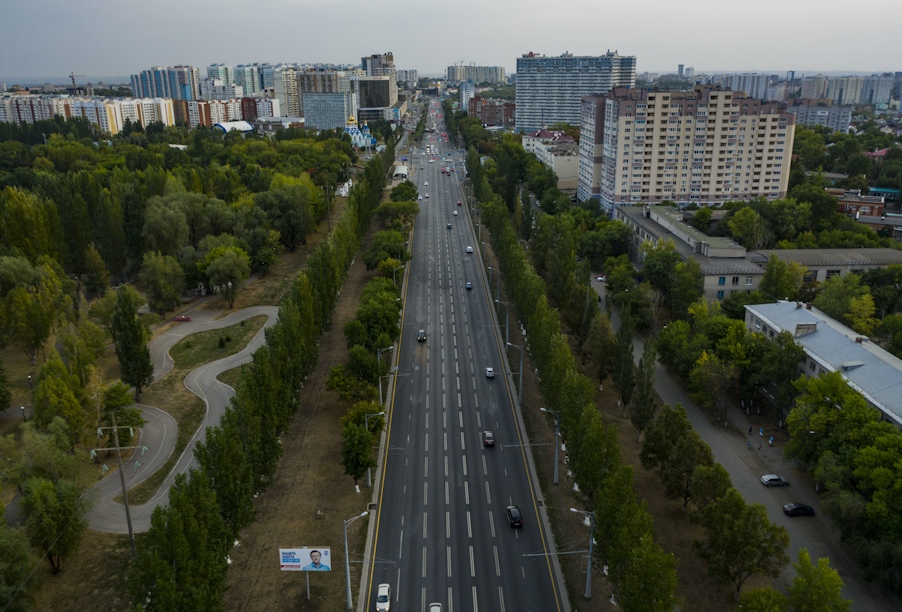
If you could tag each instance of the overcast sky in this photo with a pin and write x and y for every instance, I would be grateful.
(122, 37)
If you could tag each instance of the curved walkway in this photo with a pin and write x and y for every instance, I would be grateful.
(160, 433)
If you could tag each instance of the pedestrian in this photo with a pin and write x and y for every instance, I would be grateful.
(750, 445)
(750, 430)
(759, 447)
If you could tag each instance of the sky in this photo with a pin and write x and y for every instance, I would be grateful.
(52, 38)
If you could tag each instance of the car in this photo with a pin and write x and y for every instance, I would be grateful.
(514, 516)
(490, 373)
(454, 213)
(427, 196)
(383, 597)
(182, 318)
(435, 607)
(798, 510)
(469, 286)
(459, 203)
(488, 438)
(421, 336)
(427, 184)
(449, 226)
(772, 480)
(601, 279)
(419, 197)
(469, 249)
(431, 161)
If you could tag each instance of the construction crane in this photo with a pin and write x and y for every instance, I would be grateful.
(72, 76)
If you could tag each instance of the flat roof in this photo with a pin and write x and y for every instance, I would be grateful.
(400, 170)
(870, 370)
(831, 257)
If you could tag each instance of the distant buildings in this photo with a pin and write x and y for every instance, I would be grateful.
(108, 114)
(285, 90)
(477, 74)
(328, 111)
(176, 82)
(215, 89)
(221, 72)
(467, 93)
(248, 77)
(837, 118)
(850, 90)
(408, 77)
(550, 89)
(755, 85)
(492, 112)
(705, 147)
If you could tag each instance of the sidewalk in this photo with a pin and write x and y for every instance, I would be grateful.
(730, 449)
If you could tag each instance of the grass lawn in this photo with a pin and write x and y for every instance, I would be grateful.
(203, 347)
(230, 377)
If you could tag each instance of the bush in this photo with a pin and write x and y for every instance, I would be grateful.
(221, 342)
(228, 338)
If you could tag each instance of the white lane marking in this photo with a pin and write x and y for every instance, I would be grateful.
(501, 597)
(458, 383)
(427, 383)
(464, 458)
(456, 365)
(472, 564)
(427, 422)
(460, 417)
(460, 403)
(478, 420)
(447, 524)
(497, 566)
(444, 416)
(446, 466)
(425, 521)
(401, 545)
(523, 571)
(455, 356)
(462, 445)
(398, 586)
(424, 566)
(450, 599)
(445, 435)
(475, 400)
(492, 522)
(485, 471)
(475, 603)
(449, 562)
(426, 467)
(427, 442)
(447, 496)
(469, 526)
(488, 495)
(425, 493)
(467, 492)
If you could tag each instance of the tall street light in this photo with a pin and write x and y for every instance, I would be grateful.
(591, 516)
(347, 562)
(366, 423)
(557, 438)
(520, 399)
(393, 273)
(507, 312)
(379, 352)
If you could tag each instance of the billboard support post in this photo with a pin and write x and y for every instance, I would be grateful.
(307, 575)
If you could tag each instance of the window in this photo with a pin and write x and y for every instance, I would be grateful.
(735, 280)
(748, 281)
(722, 280)
(720, 295)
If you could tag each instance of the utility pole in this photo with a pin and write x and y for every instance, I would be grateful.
(520, 399)
(118, 449)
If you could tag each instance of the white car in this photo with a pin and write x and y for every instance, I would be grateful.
(469, 249)
(383, 597)
(427, 183)
(427, 196)
(419, 197)
(455, 213)
(489, 373)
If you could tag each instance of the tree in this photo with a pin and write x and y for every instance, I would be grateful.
(644, 406)
(135, 367)
(710, 379)
(165, 226)
(764, 599)
(781, 280)
(678, 473)
(649, 584)
(56, 395)
(669, 425)
(364, 365)
(5, 394)
(348, 387)
(624, 366)
(595, 455)
(289, 210)
(105, 307)
(403, 192)
(710, 482)
(837, 294)
(816, 588)
(27, 320)
(228, 271)
(355, 333)
(890, 333)
(18, 582)
(357, 415)
(356, 451)
(701, 220)
(164, 280)
(118, 402)
(181, 561)
(686, 288)
(54, 518)
(741, 541)
(98, 277)
(598, 348)
(659, 265)
(750, 229)
(43, 453)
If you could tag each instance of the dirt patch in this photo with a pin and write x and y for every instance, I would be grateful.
(18, 367)
(94, 578)
(310, 496)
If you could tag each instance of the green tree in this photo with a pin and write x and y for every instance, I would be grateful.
(165, 226)
(5, 394)
(364, 365)
(181, 561)
(403, 192)
(43, 452)
(750, 229)
(595, 455)
(104, 307)
(781, 280)
(740, 541)
(624, 369)
(19, 584)
(644, 406)
(357, 415)
(598, 348)
(710, 482)
(228, 271)
(701, 220)
(57, 395)
(164, 280)
(135, 367)
(678, 473)
(98, 279)
(890, 333)
(837, 294)
(659, 266)
(816, 588)
(54, 518)
(650, 582)
(686, 288)
(710, 379)
(289, 210)
(349, 388)
(27, 320)
(356, 451)
(763, 599)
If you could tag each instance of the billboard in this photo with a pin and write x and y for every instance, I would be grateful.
(306, 559)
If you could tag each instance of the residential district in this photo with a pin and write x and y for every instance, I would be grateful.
(701, 276)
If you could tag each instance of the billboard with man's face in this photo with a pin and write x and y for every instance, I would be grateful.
(308, 559)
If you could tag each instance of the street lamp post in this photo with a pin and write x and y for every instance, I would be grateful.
(393, 273)
(520, 399)
(507, 312)
(366, 423)
(591, 516)
(30, 385)
(347, 562)
(557, 438)
(379, 352)
(23, 414)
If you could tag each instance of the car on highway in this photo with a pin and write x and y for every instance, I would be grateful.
(431, 161)
(772, 480)
(469, 286)
(383, 597)
(469, 249)
(455, 213)
(514, 517)
(798, 510)
(427, 195)
(449, 226)
(488, 438)
(435, 607)
(490, 373)
(426, 184)
(421, 336)
(459, 203)
(420, 198)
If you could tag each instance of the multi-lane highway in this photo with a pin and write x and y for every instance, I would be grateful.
(441, 526)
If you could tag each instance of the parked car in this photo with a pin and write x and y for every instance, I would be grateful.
(798, 510)
(182, 318)
(601, 278)
(514, 516)
(772, 480)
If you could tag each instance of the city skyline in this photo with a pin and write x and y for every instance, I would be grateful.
(179, 43)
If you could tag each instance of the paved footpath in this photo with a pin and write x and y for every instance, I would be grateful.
(746, 468)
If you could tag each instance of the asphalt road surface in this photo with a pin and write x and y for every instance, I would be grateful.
(442, 533)
(160, 433)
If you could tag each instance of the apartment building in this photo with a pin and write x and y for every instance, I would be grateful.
(215, 89)
(285, 90)
(492, 112)
(248, 77)
(224, 111)
(837, 118)
(21, 109)
(324, 82)
(176, 82)
(108, 114)
(328, 111)
(224, 73)
(467, 93)
(256, 108)
(705, 147)
(408, 77)
(874, 89)
(755, 85)
(550, 89)
(477, 74)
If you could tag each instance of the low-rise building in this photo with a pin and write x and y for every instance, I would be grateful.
(832, 347)
(827, 263)
(563, 158)
(851, 203)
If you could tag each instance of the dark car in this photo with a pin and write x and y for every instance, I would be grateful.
(449, 226)
(469, 286)
(421, 337)
(514, 516)
(460, 203)
(798, 510)
(488, 438)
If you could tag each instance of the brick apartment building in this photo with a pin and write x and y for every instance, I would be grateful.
(492, 112)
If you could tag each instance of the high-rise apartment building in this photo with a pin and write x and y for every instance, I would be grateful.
(285, 90)
(375, 91)
(214, 89)
(327, 98)
(467, 93)
(248, 76)
(224, 73)
(755, 85)
(874, 89)
(383, 66)
(837, 118)
(477, 74)
(704, 147)
(550, 89)
(176, 82)
(408, 77)
(259, 108)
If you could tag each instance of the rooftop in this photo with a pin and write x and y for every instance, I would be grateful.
(869, 369)
(830, 257)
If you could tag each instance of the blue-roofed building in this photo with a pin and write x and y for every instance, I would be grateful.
(832, 347)
(890, 195)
